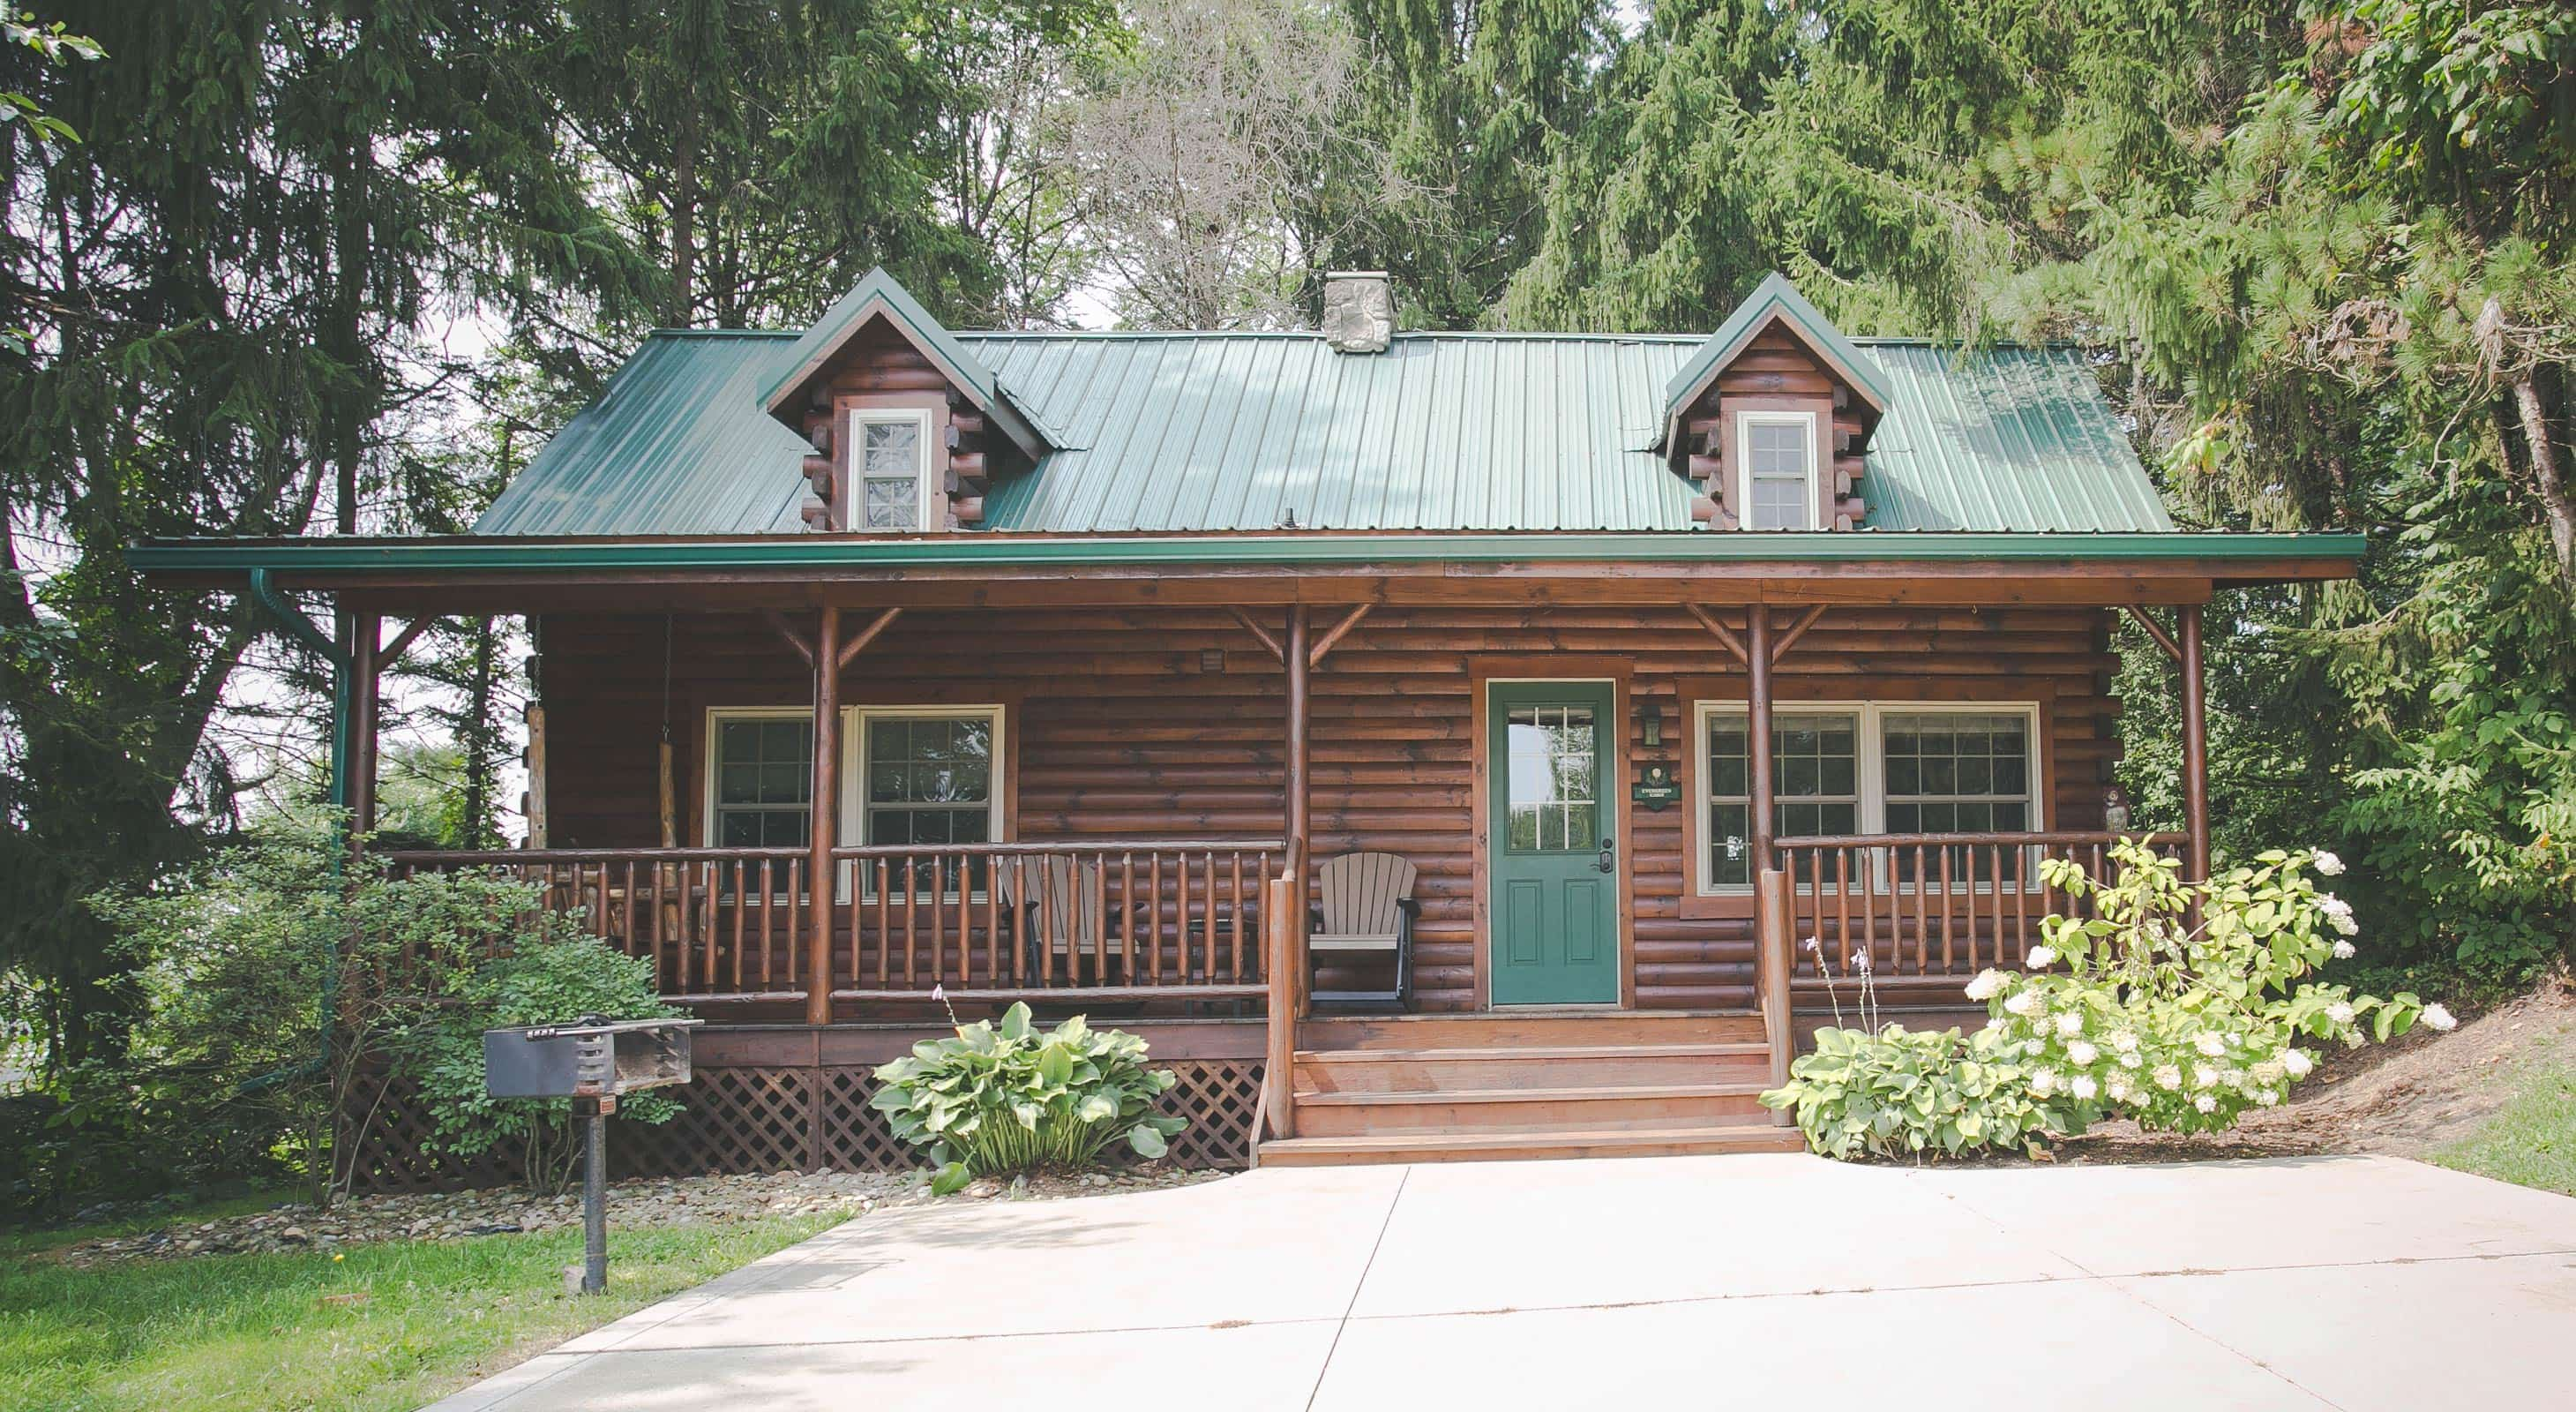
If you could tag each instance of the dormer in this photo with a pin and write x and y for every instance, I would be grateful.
(1770, 417)
(908, 427)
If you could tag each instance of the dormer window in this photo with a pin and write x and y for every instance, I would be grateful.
(890, 476)
(1778, 453)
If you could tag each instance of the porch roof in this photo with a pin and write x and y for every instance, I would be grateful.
(1212, 433)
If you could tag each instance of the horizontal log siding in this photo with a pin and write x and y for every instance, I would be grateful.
(1117, 731)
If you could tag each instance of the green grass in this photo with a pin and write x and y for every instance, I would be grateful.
(252, 1332)
(2531, 1141)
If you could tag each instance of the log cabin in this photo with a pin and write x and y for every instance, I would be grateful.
(881, 667)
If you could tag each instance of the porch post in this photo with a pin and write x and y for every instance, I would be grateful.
(365, 633)
(1299, 818)
(821, 831)
(1757, 736)
(2195, 745)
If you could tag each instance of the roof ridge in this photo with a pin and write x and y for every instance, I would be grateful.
(1316, 336)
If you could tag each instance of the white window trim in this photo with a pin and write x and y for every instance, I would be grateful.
(854, 770)
(856, 463)
(1871, 766)
(1744, 424)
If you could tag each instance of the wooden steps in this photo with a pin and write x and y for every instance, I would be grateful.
(1429, 1088)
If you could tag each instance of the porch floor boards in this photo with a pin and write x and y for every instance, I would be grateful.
(1434, 1088)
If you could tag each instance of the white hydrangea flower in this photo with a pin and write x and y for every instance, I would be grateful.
(2203, 1076)
(2267, 1097)
(2125, 1041)
(1988, 981)
(2440, 1018)
(2035, 1048)
(2343, 950)
(2081, 1053)
(2296, 1063)
(2210, 1044)
(2339, 913)
(2270, 1071)
(2082, 1086)
(2340, 1013)
(2070, 1023)
(2042, 957)
(2021, 1002)
(2044, 1082)
(2168, 1077)
(2130, 1060)
(2328, 864)
(2205, 1103)
(2120, 1090)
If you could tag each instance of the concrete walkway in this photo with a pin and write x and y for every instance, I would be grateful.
(1701, 1282)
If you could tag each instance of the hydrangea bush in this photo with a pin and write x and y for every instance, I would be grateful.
(2174, 1004)
(2181, 1006)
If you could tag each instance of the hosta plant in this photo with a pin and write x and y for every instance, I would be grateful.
(1010, 1098)
(2181, 1005)
(1913, 1094)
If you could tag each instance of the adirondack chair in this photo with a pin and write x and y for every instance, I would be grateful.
(1051, 902)
(1367, 907)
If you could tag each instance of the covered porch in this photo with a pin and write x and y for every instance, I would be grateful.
(1175, 746)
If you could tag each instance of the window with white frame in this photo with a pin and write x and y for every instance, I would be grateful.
(1866, 767)
(760, 778)
(928, 776)
(890, 469)
(1777, 451)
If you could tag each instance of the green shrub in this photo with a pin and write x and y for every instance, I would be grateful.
(1912, 1093)
(1010, 1099)
(551, 973)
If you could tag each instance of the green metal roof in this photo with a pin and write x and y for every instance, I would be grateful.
(594, 554)
(1773, 300)
(1212, 432)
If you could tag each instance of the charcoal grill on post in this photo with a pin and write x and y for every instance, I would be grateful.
(591, 1061)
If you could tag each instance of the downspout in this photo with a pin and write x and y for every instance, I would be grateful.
(301, 628)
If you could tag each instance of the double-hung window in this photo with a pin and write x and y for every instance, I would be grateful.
(1815, 785)
(929, 776)
(1778, 453)
(760, 778)
(1864, 768)
(890, 487)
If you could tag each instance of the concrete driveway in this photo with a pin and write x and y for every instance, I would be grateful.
(1744, 1281)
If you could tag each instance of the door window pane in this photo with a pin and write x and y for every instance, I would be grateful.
(1553, 780)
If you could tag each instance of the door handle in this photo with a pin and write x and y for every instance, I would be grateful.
(1606, 864)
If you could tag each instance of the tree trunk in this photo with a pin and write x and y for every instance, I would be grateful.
(2555, 504)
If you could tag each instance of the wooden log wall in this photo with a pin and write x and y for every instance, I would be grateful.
(1777, 373)
(1120, 729)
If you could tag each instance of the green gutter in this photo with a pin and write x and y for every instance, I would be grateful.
(508, 554)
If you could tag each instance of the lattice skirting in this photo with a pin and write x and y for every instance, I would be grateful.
(782, 1119)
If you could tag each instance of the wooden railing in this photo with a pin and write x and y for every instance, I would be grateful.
(1930, 906)
(1110, 919)
(717, 923)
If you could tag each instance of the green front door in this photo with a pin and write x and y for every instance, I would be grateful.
(1551, 852)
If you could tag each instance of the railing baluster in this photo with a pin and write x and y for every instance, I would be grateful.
(1234, 909)
(911, 934)
(1154, 909)
(1922, 916)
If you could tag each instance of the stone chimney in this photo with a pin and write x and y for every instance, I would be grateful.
(1359, 311)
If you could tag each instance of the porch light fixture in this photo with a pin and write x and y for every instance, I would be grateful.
(1650, 725)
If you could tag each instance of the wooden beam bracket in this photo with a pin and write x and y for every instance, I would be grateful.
(778, 624)
(1724, 633)
(403, 640)
(2157, 631)
(1326, 643)
(859, 641)
(1796, 630)
(1268, 640)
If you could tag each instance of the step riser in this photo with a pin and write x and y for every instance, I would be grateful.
(1502, 1031)
(1767, 1140)
(1450, 1075)
(1433, 1118)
